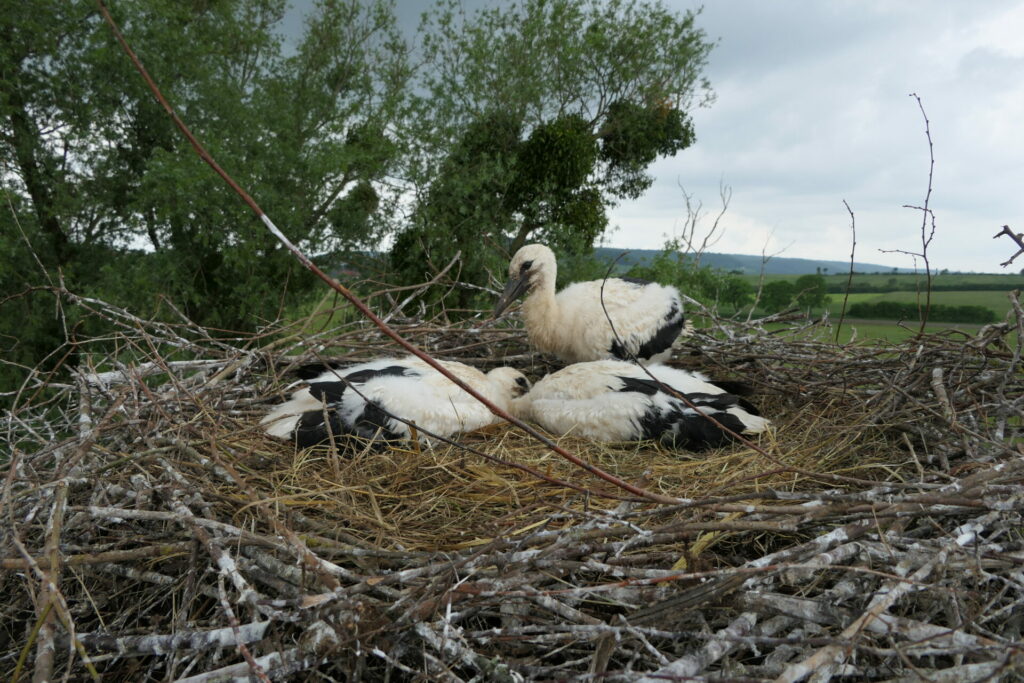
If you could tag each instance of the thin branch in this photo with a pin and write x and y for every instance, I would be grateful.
(849, 277)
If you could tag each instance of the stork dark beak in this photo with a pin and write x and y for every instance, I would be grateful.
(513, 290)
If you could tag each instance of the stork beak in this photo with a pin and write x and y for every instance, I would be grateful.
(513, 290)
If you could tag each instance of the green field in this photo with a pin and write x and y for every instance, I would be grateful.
(882, 329)
(893, 331)
(988, 290)
(894, 281)
(958, 280)
(994, 300)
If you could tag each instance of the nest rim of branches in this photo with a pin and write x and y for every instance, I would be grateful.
(161, 485)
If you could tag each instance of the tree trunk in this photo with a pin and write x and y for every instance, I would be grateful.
(519, 240)
(39, 180)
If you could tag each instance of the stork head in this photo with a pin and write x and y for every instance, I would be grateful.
(532, 265)
(510, 381)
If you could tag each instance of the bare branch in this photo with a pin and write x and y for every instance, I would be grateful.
(1016, 237)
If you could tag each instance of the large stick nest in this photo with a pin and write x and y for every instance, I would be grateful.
(153, 532)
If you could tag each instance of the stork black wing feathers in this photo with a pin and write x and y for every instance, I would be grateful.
(660, 341)
(676, 424)
(639, 385)
(686, 429)
(372, 422)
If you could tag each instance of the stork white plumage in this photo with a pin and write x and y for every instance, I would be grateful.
(360, 400)
(572, 324)
(614, 400)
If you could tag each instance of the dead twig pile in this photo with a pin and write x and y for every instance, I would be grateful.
(152, 532)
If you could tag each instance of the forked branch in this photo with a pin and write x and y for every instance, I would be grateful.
(1017, 237)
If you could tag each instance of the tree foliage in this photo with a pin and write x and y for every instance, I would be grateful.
(95, 171)
(810, 291)
(806, 292)
(777, 295)
(464, 208)
(710, 286)
(595, 92)
(634, 135)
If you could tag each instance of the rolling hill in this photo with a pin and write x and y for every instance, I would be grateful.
(749, 264)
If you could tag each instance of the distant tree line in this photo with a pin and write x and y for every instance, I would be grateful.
(893, 310)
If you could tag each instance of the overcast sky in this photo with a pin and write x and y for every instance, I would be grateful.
(812, 107)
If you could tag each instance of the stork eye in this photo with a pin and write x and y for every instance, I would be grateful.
(521, 381)
(526, 266)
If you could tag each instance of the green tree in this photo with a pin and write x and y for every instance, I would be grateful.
(777, 295)
(811, 291)
(581, 97)
(303, 133)
(736, 292)
(463, 209)
(674, 266)
(106, 193)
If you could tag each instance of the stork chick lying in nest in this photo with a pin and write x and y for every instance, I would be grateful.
(617, 401)
(572, 324)
(364, 400)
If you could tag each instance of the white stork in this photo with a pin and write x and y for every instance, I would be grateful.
(572, 324)
(615, 400)
(362, 399)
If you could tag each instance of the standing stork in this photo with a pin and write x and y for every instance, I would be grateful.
(615, 400)
(364, 400)
(572, 324)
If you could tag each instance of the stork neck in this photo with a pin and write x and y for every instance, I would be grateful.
(541, 307)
